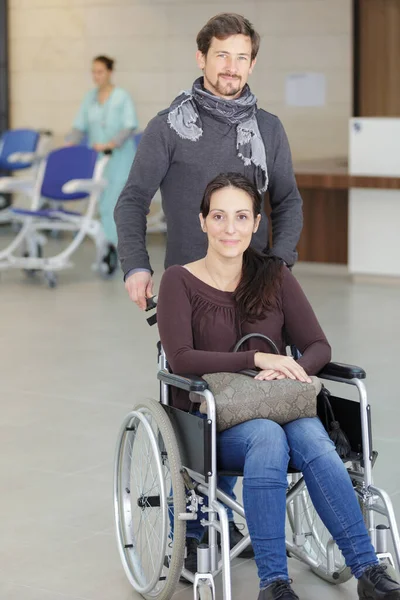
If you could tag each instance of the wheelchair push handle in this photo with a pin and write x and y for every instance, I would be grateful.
(151, 303)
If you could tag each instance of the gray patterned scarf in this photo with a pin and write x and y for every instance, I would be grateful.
(184, 119)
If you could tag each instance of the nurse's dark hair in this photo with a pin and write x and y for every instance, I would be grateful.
(259, 287)
(106, 60)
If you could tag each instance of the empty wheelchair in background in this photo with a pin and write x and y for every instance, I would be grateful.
(66, 176)
(20, 150)
(166, 464)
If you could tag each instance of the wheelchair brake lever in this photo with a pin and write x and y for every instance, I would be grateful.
(187, 480)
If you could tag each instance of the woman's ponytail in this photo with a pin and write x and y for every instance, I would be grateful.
(258, 289)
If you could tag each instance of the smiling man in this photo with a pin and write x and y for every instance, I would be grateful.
(214, 128)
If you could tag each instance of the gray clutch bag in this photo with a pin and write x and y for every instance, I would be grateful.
(239, 397)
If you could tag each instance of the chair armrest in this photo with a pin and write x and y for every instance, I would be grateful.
(15, 184)
(190, 383)
(21, 157)
(75, 186)
(342, 371)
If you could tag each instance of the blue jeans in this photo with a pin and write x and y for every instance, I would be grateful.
(263, 449)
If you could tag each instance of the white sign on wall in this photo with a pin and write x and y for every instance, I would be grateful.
(305, 89)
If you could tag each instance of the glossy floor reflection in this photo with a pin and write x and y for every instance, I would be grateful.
(73, 360)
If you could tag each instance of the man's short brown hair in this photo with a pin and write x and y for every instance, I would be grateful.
(223, 26)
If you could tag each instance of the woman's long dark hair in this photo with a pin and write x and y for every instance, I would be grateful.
(258, 289)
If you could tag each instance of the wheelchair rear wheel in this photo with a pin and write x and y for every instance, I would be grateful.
(149, 495)
(315, 541)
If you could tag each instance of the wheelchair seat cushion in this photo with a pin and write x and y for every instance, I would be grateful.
(241, 398)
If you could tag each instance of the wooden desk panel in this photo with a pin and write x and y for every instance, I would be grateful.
(324, 235)
(332, 181)
(324, 188)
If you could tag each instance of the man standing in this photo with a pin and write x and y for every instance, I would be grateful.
(216, 127)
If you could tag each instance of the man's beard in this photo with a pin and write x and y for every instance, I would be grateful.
(230, 88)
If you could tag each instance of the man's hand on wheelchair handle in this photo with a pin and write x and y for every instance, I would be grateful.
(139, 287)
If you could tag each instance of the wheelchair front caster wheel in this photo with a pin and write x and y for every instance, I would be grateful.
(38, 253)
(51, 279)
(30, 272)
(109, 262)
(205, 592)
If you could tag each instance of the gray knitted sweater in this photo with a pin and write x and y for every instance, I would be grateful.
(181, 169)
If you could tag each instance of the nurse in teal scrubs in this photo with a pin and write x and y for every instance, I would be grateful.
(107, 117)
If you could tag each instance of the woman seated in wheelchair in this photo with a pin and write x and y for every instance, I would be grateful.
(203, 309)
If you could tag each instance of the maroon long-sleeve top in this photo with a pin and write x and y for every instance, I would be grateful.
(199, 327)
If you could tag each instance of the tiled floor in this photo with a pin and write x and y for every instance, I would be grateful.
(73, 360)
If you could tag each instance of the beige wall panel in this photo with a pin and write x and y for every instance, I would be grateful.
(41, 23)
(308, 17)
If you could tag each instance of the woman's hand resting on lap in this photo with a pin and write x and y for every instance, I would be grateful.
(275, 366)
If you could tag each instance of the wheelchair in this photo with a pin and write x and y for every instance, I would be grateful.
(166, 465)
(67, 175)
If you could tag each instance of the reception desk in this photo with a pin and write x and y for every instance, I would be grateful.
(335, 224)
(323, 186)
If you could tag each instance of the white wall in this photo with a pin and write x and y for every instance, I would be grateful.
(153, 41)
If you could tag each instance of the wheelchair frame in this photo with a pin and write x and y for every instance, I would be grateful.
(372, 499)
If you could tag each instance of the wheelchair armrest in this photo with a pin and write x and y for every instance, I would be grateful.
(75, 186)
(16, 184)
(342, 371)
(190, 383)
